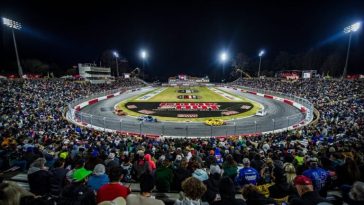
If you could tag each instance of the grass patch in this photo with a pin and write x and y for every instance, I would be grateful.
(171, 93)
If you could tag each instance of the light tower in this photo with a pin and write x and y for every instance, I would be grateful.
(223, 59)
(116, 55)
(261, 53)
(14, 26)
(143, 56)
(349, 29)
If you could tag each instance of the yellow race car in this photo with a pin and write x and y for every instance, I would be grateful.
(214, 122)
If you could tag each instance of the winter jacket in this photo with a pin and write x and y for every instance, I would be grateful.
(77, 194)
(39, 181)
(308, 198)
(280, 190)
(57, 180)
(164, 177)
(255, 198)
(96, 181)
(230, 170)
(212, 185)
(180, 174)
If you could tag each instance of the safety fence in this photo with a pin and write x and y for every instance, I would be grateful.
(258, 125)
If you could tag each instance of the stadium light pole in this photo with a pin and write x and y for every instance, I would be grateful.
(223, 59)
(14, 26)
(349, 29)
(261, 53)
(116, 55)
(143, 55)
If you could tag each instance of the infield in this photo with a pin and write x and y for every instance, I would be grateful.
(194, 104)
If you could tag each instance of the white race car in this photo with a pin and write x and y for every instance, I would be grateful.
(261, 112)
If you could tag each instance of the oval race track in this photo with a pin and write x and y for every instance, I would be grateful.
(276, 110)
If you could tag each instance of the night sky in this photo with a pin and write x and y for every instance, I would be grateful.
(180, 36)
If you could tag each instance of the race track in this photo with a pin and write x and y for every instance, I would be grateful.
(283, 114)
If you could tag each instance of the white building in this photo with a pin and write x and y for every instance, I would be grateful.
(186, 80)
(93, 74)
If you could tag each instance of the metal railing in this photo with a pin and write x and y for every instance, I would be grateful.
(232, 127)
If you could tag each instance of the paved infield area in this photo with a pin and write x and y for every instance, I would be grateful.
(281, 112)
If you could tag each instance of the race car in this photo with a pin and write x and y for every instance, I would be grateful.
(215, 122)
(261, 112)
(147, 118)
(119, 112)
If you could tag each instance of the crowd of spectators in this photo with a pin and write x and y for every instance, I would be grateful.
(74, 165)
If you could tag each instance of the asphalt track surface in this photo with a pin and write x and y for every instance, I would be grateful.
(284, 115)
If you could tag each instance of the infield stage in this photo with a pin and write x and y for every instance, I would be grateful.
(193, 104)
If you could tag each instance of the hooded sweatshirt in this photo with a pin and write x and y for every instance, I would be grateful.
(149, 160)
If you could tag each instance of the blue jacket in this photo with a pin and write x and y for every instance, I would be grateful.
(248, 175)
(318, 176)
(95, 181)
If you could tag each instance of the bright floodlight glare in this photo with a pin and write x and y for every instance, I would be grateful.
(12, 24)
(223, 56)
(352, 28)
(116, 54)
(261, 53)
(143, 54)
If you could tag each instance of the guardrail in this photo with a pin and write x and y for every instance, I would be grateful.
(233, 127)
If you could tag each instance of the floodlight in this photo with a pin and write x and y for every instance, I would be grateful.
(261, 53)
(12, 24)
(223, 56)
(143, 54)
(352, 28)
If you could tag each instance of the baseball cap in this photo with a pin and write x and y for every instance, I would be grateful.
(302, 180)
(80, 174)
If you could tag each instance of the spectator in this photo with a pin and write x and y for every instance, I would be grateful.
(266, 171)
(227, 193)
(141, 166)
(230, 167)
(318, 176)
(11, 193)
(252, 196)
(281, 188)
(58, 177)
(290, 172)
(114, 189)
(39, 177)
(348, 173)
(356, 194)
(212, 184)
(112, 161)
(193, 190)
(98, 178)
(180, 174)
(145, 196)
(247, 175)
(127, 167)
(148, 159)
(306, 192)
(77, 192)
(164, 177)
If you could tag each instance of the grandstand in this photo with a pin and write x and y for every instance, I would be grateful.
(38, 145)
